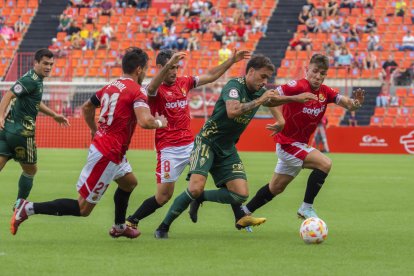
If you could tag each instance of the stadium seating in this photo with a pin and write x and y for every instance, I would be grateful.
(11, 11)
(127, 35)
(391, 30)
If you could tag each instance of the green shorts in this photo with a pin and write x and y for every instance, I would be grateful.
(20, 148)
(204, 159)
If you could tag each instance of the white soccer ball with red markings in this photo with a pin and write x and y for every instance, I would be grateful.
(313, 230)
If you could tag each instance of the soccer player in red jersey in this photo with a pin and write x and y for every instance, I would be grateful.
(175, 142)
(292, 132)
(123, 104)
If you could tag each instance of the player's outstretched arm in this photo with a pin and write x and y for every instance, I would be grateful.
(159, 78)
(147, 121)
(4, 104)
(88, 111)
(235, 108)
(277, 100)
(216, 72)
(355, 102)
(59, 118)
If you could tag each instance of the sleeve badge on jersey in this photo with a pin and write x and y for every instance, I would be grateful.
(292, 83)
(233, 93)
(18, 89)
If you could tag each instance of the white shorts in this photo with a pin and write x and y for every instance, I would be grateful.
(290, 157)
(171, 162)
(98, 172)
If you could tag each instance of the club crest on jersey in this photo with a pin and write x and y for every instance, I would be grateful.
(166, 175)
(202, 161)
(18, 89)
(184, 92)
(233, 93)
(292, 83)
(322, 98)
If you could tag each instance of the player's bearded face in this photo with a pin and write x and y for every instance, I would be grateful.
(316, 75)
(172, 74)
(142, 73)
(44, 67)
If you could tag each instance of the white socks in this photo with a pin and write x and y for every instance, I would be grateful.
(29, 208)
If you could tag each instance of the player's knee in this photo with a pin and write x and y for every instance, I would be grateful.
(277, 188)
(163, 198)
(238, 198)
(85, 212)
(195, 190)
(326, 165)
(30, 170)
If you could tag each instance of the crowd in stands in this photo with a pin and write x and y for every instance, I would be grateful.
(199, 17)
(348, 32)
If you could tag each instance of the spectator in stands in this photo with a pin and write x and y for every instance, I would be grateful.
(352, 121)
(87, 3)
(224, 53)
(304, 15)
(331, 8)
(312, 24)
(232, 4)
(7, 34)
(388, 68)
(57, 48)
(76, 41)
(91, 16)
(180, 43)
(156, 27)
(73, 29)
(106, 8)
(310, 7)
(358, 60)
(175, 8)
(108, 30)
(345, 58)
(395, 101)
(89, 42)
(347, 4)
(374, 42)
(353, 35)
(400, 7)
(193, 42)
(157, 41)
(145, 26)
(403, 76)
(241, 32)
(102, 41)
(76, 3)
(407, 42)
(294, 43)
(383, 96)
(325, 26)
(258, 26)
(337, 38)
(237, 16)
(19, 25)
(346, 27)
(244, 7)
(370, 62)
(230, 33)
(97, 3)
(371, 24)
(196, 7)
(306, 43)
(64, 23)
(142, 5)
(219, 32)
(364, 3)
(337, 22)
(121, 3)
(193, 24)
(319, 7)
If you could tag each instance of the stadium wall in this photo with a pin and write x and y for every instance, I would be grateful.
(256, 138)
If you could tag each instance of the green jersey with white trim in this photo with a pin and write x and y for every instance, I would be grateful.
(221, 132)
(21, 119)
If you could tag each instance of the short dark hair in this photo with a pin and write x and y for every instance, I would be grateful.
(163, 56)
(134, 57)
(259, 61)
(321, 61)
(42, 53)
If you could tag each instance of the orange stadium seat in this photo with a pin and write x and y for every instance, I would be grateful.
(401, 92)
(392, 111)
(409, 102)
(400, 122)
(410, 122)
(379, 111)
(376, 121)
(388, 121)
(405, 111)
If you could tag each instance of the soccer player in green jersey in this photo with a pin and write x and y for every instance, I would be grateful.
(214, 149)
(17, 124)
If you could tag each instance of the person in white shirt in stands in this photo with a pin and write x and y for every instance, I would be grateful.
(407, 42)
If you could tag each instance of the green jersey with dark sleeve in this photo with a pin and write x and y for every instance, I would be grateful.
(21, 119)
(221, 132)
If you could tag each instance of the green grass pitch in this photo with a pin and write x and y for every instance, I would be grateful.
(367, 203)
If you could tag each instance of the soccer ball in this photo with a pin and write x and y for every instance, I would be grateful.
(313, 230)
